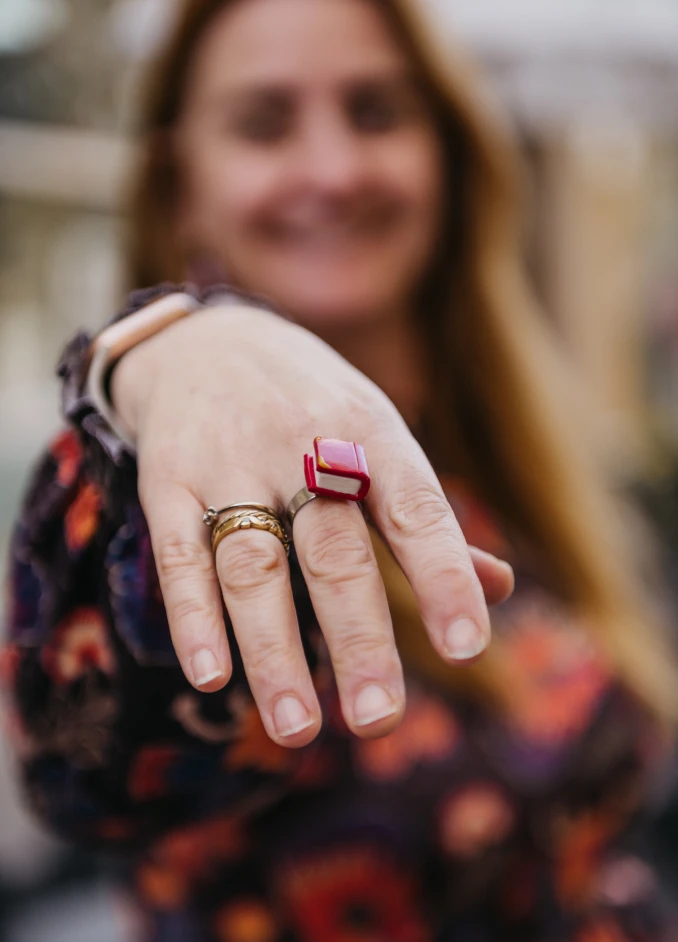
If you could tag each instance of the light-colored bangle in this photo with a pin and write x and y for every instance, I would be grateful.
(113, 342)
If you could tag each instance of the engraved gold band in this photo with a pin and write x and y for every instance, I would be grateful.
(211, 516)
(244, 516)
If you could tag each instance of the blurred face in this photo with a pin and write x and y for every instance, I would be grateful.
(311, 164)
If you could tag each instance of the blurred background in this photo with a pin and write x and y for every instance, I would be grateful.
(593, 92)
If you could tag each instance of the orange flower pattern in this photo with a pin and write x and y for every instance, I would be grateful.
(79, 644)
(66, 451)
(475, 818)
(429, 733)
(349, 894)
(251, 746)
(556, 674)
(82, 517)
(247, 920)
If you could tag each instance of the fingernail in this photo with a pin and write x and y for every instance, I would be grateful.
(204, 667)
(502, 563)
(464, 640)
(290, 716)
(372, 703)
(507, 567)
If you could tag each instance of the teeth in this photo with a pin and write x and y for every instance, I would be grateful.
(324, 237)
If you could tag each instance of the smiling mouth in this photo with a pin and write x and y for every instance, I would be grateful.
(338, 233)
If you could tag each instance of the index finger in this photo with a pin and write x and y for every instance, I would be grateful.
(189, 584)
(409, 507)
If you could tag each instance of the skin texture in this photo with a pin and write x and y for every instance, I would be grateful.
(335, 224)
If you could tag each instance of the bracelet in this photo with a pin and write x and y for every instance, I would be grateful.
(85, 365)
(114, 341)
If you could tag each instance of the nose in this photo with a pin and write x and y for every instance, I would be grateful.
(333, 158)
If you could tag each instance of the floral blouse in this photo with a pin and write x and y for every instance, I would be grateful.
(463, 825)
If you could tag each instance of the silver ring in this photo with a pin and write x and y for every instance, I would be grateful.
(300, 499)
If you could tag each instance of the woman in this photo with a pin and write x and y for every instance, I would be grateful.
(329, 157)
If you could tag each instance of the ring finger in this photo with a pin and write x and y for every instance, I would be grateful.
(254, 577)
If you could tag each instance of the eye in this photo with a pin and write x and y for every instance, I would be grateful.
(266, 120)
(262, 127)
(377, 110)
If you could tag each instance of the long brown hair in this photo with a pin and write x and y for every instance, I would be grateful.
(500, 415)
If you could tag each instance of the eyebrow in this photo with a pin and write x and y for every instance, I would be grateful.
(275, 91)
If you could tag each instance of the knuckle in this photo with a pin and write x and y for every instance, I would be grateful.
(449, 569)
(246, 565)
(338, 555)
(268, 657)
(178, 558)
(190, 608)
(354, 646)
(419, 508)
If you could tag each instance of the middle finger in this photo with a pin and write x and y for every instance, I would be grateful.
(336, 556)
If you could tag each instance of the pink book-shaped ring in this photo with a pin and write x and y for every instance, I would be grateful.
(337, 469)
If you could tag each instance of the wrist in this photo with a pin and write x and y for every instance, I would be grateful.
(129, 385)
(96, 380)
(110, 346)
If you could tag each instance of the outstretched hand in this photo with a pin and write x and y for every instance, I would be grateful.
(224, 404)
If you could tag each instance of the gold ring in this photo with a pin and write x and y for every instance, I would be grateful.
(211, 516)
(243, 519)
